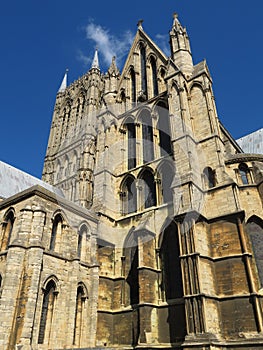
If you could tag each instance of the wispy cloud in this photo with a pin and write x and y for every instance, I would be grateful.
(83, 58)
(163, 43)
(108, 44)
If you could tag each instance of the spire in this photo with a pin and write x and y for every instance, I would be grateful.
(64, 83)
(113, 67)
(95, 63)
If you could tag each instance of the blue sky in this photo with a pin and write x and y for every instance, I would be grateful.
(39, 40)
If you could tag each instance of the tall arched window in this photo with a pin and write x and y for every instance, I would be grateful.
(78, 322)
(147, 137)
(66, 166)
(209, 177)
(74, 162)
(148, 190)
(172, 282)
(166, 172)
(154, 76)
(133, 85)
(143, 71)
(46, 320)
(129, 195)
(82, 239)
(244, 173)
(78, 106)
(56, 232)
(7, 230)
(131, 146)
(164, 130)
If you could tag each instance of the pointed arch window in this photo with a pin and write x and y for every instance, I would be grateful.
(47, 313)
(56, 232)
(154, 76)
(131, 140)
(172, 285)
(133, 276)
(74, 162)
(244, 173)
(164, 130)
(129, 196)
(147, 137)
(172, 282)
(78, 322)
(7, 230)
(82, 236)
(133, 85)
(58, 171)
(143, 71)
(148, 189)
(209, 177)
(78, 106)
(166, 176)
(66, 166)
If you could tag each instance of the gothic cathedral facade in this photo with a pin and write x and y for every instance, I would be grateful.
(155, 238)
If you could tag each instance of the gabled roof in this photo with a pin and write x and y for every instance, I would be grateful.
(141, 35)
(13, 181)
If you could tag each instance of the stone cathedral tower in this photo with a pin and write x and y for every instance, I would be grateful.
(158, 242)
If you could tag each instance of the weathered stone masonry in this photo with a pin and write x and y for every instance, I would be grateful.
(158, 241)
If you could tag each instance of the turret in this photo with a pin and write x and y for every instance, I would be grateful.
(180, 47)
(111, 82)
(95, 85)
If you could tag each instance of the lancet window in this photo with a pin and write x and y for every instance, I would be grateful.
(209, 177)
(148, 188)
(147, 137)
(47, 313)
(78, 322)
(129, 195)
(154, 76)
(7, 230)
(56, 232)
(131, 142)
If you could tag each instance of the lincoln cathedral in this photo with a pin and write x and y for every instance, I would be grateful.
(146, 229)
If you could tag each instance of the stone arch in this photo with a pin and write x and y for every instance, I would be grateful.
(172, 281)
(83, 246)
(147, 187)
(165, 173)
(128, 193)
(50, 291)
(79, 317)
(58, 224)
(7, 228)
(244, 174)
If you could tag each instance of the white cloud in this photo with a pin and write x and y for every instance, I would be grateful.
(108, 44)
(162, 41)
(84, 59)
